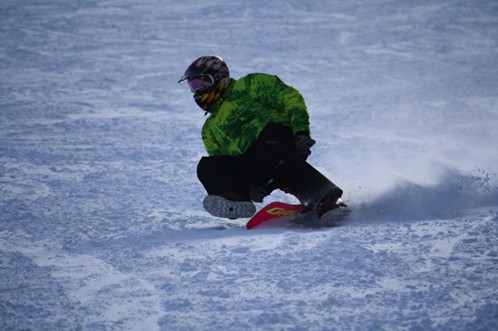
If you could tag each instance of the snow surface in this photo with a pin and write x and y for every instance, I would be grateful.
(101, 225)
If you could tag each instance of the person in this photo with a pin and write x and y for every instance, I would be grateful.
(258, 140)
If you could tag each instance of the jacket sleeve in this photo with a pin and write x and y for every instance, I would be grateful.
(272, 91)
(209, 140)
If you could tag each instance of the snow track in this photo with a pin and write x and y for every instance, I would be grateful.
(101, 223)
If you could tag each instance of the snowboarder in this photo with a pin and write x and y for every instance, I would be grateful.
(258, 139)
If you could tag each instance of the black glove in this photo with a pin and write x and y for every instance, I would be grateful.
(258, 193)
(303, 145)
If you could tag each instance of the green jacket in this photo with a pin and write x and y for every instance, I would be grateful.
(246, 107)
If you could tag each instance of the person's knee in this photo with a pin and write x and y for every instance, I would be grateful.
(203, 168)
(211, 168)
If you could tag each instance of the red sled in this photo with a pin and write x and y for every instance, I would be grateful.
(275, 211)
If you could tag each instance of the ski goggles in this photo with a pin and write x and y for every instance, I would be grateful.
(200, 83)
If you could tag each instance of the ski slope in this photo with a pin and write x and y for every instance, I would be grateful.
(101, 222)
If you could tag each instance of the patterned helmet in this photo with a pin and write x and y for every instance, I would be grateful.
(212, 65)
(208, 78)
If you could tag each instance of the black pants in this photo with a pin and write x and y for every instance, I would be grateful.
(272, 162)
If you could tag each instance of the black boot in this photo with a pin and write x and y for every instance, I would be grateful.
(299, 178)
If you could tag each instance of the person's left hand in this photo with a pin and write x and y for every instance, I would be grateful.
(258, 193)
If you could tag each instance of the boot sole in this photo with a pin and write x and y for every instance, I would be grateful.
(221, 207)
(335, 216)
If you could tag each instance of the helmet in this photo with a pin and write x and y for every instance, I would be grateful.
(212, 69)
(208, 78)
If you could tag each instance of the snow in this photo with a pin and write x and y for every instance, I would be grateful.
(101, 222)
